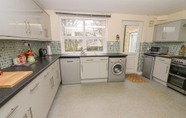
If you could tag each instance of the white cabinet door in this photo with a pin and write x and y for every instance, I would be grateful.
(46, 26)
(89, 70)
(33, 14)
(103, 66)
(172, 31)
(159, 32)
(9, 13)
(161, 71)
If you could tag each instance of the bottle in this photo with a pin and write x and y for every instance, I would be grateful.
(49, 50)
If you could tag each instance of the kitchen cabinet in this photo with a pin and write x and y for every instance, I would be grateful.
(161, 69)
(24, 19)
(94, 67)
(35, 99)
(170, 32)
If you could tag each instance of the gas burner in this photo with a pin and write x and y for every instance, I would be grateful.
(180, 61)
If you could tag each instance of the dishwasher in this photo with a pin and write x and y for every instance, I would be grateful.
(148, 66)
(70, 70)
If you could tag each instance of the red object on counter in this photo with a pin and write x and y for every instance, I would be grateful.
(22, 58)
(29, 53)
(1, 72)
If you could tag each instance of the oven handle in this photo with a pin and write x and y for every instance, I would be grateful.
(178, 65)
(177, 76)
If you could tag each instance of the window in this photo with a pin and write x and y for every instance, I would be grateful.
(82, 33)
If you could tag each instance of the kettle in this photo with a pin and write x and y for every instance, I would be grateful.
(42, 52)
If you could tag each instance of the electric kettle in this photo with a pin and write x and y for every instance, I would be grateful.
(42, 52)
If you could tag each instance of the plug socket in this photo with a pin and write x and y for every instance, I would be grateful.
(27, 44)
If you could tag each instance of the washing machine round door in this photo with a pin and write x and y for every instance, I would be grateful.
(117, 69)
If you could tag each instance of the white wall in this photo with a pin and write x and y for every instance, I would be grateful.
(114, 25)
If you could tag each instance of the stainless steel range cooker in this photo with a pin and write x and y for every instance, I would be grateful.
(177, 75)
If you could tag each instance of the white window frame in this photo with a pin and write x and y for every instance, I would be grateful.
(62, 37)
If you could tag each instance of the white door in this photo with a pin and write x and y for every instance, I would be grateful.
(130, 43)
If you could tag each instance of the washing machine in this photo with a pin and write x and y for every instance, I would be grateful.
(117, 69)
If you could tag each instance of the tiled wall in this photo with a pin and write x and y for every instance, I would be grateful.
(11, 48)
(113, 47)
(173, 49)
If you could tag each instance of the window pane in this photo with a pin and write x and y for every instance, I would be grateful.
(94, 45)
(73, 45)
(95, 28)
(72, 27)
(130, 38)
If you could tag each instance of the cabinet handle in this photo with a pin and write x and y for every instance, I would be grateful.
(29, 27)
(161, 60)
(106, 67)
(89, 59)
(82, 68)
(51, 82)
(104, 59)
(34, 87)
(167, 69)
(30, 110)
(25, 116)
(12, 110)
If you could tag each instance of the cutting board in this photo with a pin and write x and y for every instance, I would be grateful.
(10, 79)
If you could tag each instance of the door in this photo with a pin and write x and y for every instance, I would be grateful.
(130, 43)
(161, 71)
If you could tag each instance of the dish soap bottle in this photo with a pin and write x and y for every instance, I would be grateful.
(49, 50)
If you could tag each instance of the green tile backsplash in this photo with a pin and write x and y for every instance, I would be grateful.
(11, 48)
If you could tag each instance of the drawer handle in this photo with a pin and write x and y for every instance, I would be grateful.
(161, 60)
(104, 59)
(69, 61)
(34, 87)
(90, 60)
(12, 110)
(167, 69)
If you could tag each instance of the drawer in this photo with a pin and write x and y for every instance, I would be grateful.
(163, 60)
(89, 59)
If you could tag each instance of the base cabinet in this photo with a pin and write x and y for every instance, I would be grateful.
(35, 99)
(94, 67)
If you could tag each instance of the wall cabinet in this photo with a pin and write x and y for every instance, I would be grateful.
(170, 32)
(35, 99)
(94, 67)
(161, 69)
(24, 19)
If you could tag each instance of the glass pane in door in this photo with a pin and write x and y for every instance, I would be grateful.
(130, 38)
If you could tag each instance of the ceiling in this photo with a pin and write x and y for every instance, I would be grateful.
(141, 7)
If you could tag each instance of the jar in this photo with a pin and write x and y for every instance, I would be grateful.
(31, 59)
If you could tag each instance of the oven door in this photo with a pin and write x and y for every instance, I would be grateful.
(176, 80)
(178, 70)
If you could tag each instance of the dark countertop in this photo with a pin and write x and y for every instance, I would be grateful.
(37, 68)
(151, 54)
(163, 55)
(93, 55)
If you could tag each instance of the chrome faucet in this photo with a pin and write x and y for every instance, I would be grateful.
(83, 51)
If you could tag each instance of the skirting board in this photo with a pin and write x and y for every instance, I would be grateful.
(93, 80)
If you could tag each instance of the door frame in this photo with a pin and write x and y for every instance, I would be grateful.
(136, 54)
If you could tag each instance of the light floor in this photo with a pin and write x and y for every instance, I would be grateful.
(118, 100)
